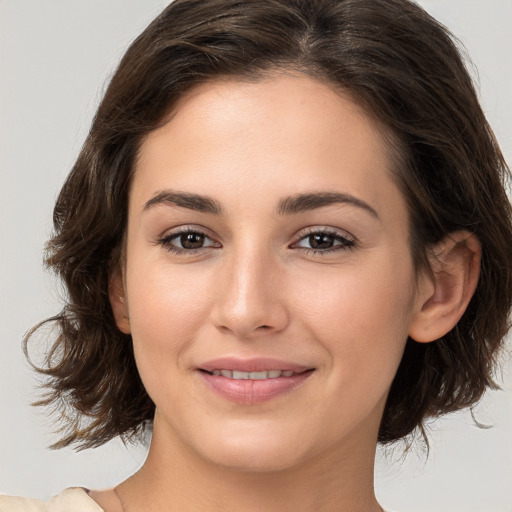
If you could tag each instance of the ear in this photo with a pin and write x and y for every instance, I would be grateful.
(117, 295)
(444, 295)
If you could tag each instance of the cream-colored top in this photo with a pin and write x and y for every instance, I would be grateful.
(74, 499)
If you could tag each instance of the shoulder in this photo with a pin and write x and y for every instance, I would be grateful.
(74, 499)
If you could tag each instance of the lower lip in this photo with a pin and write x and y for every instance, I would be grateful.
(247, 391)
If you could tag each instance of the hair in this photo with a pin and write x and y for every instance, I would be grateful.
(405, 70)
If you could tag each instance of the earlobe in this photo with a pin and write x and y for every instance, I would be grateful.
(118, 303)
(444, 295)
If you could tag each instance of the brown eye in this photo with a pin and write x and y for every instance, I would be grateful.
(321, 241)
(187, 241)
(191, 240)
(325, 241)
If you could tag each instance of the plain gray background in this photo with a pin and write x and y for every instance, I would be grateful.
(56, 57)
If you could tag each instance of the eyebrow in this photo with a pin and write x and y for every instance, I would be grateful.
(298, 203)
(195, 202)
(304, 202)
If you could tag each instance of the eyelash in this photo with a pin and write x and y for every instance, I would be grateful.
(344, 242)
(166, 240)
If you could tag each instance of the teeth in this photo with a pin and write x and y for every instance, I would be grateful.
(240, 375)
(237, 375)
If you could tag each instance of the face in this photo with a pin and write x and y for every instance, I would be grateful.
(268, 283)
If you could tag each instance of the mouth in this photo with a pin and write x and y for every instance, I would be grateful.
(260, 375)
(253, 381)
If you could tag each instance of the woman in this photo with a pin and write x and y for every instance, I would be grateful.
(285, 239)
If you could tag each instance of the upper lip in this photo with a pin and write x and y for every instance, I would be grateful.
(258, 364)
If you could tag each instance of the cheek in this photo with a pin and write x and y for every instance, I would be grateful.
(361, 314)
(166, 309)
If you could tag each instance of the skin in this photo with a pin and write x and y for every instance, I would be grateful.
(256, 288)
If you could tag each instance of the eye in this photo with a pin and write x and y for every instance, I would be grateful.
(324, 241)
(187, 240)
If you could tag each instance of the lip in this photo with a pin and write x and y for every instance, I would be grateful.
(258, 364)
(252, 392)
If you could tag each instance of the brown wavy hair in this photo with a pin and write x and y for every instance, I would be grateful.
(404, 69)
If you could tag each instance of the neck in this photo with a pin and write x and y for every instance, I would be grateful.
(174, 478)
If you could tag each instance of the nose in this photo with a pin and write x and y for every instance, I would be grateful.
(250, 299)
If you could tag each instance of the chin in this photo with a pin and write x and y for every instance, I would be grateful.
(255, 460)
(260, 450)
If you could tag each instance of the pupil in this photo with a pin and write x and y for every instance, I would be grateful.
(192, 240)
(321, 241)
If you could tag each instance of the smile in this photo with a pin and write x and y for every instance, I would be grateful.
(240, 375)
(255, 386)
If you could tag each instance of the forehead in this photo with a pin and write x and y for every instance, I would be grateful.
(287, 131)
(285, 106)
